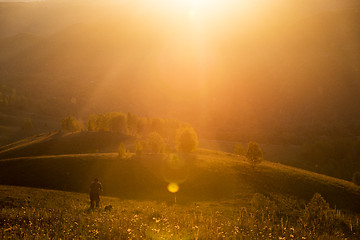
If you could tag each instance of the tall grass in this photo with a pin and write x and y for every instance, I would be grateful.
(60, 215)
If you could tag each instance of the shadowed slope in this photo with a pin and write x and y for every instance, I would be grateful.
(203, 176)
(64, 143)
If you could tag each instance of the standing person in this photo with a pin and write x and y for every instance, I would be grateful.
(95, 190)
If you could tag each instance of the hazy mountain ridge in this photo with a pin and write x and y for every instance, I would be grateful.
(304, 71)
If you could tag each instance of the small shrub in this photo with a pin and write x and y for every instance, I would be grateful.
(123, 152)
(316, 214)
(263, 208)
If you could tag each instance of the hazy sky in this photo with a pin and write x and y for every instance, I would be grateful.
(20, 0)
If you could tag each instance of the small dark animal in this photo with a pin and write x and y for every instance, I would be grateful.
(108, 208)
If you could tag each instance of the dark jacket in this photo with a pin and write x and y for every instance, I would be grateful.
(95, 188)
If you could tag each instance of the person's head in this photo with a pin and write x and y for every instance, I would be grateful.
(96, 180)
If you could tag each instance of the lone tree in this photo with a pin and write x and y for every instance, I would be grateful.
(239, 149)
(187, 140)
(254, 153)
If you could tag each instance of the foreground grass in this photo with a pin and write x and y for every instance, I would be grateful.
(27, 213)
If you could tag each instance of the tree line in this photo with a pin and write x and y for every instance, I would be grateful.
(155, 135)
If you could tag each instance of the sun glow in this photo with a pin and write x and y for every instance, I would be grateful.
(210, 5)
(198, 7)
(211, 10)
(204, 4)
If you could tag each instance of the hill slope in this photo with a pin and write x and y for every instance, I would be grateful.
(205, 175)
(57, 143)
(47, 214)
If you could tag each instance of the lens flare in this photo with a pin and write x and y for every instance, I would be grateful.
(173, 187)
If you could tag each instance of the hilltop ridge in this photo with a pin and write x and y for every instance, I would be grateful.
(59, 143)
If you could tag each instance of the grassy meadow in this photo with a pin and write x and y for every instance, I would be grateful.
(204, 175)
(28, 213)
(221, 196)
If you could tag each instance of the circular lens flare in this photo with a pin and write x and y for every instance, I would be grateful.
(173, 187)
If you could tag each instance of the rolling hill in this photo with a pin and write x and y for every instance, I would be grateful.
(58, 143)
(202, 176)
(13, 124)
(215, 189)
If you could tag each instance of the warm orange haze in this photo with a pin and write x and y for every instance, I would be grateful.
(180, 119)
(244, 66)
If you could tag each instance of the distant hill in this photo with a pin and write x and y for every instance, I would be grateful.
(11, 46)
(13, 121)
(292, 67)
(202, 176)
(58, 143)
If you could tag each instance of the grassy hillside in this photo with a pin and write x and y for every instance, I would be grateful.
(287, 154)
(205, 175)
(13, 124)
(28, 213)
(56, 143)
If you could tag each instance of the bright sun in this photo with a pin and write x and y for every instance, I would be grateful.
(196, 7)
(203, 3)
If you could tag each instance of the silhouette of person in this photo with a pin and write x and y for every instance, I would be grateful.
(95, 190)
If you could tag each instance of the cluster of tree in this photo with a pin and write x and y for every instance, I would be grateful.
(156, 135)
(253, 152)
(11, 98)
(71, 124)
(134, 125)
(186, 140)
(123, 152)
